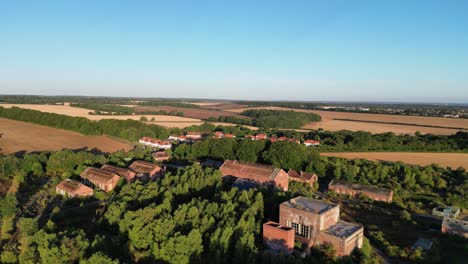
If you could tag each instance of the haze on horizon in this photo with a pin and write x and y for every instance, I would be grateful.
(396, 51)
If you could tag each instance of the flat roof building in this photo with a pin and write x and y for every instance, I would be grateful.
(316, 222)
(455, 227)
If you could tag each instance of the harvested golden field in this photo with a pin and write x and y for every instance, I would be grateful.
(163, 120)
(204, 103)
(199, 113)
(453, 160)
(224, 106)
(26, 137)
(359, 121)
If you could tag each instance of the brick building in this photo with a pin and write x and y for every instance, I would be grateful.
(160, 155)
(302, 176)
(262, 174)
(374, 193)
(128, 174)
(73, 188)
(316, 222)
(455, 227)
(194, 135)
(146, 170)
(103, 179)
(278, 237)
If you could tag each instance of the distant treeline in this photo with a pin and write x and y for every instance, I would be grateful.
(433, 110)
(270, 119)
(126, 129)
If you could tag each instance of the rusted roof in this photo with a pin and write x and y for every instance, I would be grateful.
(302, 175)
(140, 166)
(96, 175)
(249, 170)
(360, 187)
(124, 172)
(73, 187)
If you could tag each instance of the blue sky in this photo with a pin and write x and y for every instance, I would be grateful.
(268, 50)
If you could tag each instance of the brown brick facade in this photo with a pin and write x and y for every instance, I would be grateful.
(374, 193)
(278, 237)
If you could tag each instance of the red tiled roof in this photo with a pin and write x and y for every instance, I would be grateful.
(140, 166)
(96, 175)
(249, 171)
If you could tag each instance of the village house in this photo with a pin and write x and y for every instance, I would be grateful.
(218, 134)
(262, 174)
(293, 140)
(229, 136)
(181, 138)
(155, 143)
(173, 137)
(146, 170)
(273, 139)
(73, 188)
(374, 193)
(260, 137)
(311, 142)
(455, 227)
(194, 135)
(249, 137)
(282, 138)
(128, 174)
(102, 179)
(160, 155)
(314, 223)
(302, 176)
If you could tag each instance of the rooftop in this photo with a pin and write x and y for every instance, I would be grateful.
(311, 205)
(361, 187)
(71, 186)
(97, 175)
(248, 170)
(301, 175)
(141, 166)
(115, 169)
(342, 229)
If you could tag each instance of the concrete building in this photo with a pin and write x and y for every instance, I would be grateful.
(146, 170)
(128, 174)
(374, 193)
(278, 237)
(73, 188)
(302, 176)
(102, 179)
(316, 222)
(448, 211)
(262, 174)
(455, 227)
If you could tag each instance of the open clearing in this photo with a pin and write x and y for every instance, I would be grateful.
(20, 136)
(406, 126)
(453, 160)
(162, 120)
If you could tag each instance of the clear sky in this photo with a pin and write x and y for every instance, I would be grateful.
(280, 50)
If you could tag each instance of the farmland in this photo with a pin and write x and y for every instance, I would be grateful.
(188, 112)
(25, 137)
(163, 120)
(358, 121)
(453, 160)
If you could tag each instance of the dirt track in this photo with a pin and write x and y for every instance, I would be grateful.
(25, 137)
(453, 160)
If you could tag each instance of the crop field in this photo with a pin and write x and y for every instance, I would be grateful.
(162, 120)
(379, 123)
(25, 137)
(188, 112)
(224, 106)
(453, 160)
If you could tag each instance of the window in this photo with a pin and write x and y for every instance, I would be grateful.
(301, 230)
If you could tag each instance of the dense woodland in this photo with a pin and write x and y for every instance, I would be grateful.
(110, 109)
